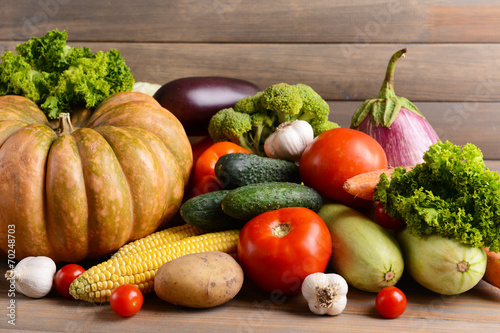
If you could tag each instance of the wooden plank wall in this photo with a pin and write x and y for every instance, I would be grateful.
(340, 48)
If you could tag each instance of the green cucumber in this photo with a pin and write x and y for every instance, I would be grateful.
(366, 255)
(204, 211)
(239, 169)
(248, 201)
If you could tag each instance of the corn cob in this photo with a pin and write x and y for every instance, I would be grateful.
(96, 284)
(158, 238)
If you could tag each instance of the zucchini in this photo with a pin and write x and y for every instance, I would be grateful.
(248, 201)
(204, 211)
(366, 255)
(239, 169)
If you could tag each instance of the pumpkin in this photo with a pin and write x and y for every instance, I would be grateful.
(82, 187)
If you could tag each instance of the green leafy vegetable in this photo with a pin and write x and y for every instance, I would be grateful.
(452, 194)
(58, 77)
(254, 118)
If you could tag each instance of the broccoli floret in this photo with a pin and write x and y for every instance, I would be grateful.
(229, 125)
(250, 104)
(256, 117)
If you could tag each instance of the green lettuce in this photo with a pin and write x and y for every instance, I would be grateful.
(451, 193)
(58, 77)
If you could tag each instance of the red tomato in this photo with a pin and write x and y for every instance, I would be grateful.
(279, 248)
(385, 220)
(65, 276)
(200, 145)
(126, 300)
(391, 302)
(204, 167)
(337, 155)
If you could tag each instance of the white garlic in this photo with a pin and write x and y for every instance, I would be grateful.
(289, 140)
(33, 276)
(325, 293)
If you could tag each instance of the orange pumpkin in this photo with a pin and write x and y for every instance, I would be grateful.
(85, 187)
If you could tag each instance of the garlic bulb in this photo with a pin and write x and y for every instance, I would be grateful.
(146, 87)
(289, 140)
(33, 276)
(325, 293)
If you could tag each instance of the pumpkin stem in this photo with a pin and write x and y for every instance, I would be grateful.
(65, 126)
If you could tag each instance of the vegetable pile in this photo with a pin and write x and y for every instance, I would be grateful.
(275, 192)
(253, 119)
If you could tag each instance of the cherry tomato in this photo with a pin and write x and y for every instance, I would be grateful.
(279, 248)
(65, 276)
(126, 300)
(337, 155)
(391, 302)
(385, 220)
(204, 167)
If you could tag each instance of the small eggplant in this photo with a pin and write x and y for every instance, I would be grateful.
(395, 122)
(194, 100)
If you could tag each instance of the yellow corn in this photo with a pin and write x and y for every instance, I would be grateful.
(139, 269)
(158, 238)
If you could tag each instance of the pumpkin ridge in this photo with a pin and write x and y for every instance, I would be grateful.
(108, 195)
(23, 159)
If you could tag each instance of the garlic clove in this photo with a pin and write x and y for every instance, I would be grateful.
(33, 276)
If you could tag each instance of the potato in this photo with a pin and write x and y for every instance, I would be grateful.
(199, 280)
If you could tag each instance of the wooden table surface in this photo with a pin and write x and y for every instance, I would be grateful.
(254, 310)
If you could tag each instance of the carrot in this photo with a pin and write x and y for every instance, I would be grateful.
(363, 185)
(492, 274)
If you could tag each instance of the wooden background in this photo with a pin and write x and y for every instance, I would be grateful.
(340, 48)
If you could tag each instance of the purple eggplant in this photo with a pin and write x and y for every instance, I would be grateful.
(395, 122)
(194, 100)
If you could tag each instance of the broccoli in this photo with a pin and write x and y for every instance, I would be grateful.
(254, 118)
(58, 77)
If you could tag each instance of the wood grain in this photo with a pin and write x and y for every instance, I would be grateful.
(437, 73)
(253, 310)
(259, 21)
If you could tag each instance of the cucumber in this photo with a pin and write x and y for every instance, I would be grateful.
(204, 211)
(365, 254)
(239, 169)
(248, 201)
(442, 265)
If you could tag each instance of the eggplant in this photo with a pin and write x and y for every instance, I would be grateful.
(194, 100)
(395, 122)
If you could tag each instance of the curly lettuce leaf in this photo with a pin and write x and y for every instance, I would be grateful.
(58, 77)
(452, 194)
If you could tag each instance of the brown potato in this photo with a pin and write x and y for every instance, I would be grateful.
(199, 280)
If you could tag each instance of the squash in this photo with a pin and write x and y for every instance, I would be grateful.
(86, 186)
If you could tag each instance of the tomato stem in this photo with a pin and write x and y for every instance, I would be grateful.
(281, 229)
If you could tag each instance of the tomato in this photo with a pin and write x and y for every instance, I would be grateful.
(390, 302)
(279, 248)
(65, 276)
(337, 155)
(199, 145)
(203, 179)
(385, 220)
(126, 300)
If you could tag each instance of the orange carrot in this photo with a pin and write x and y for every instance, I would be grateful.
(363, 185)
(492, 274)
